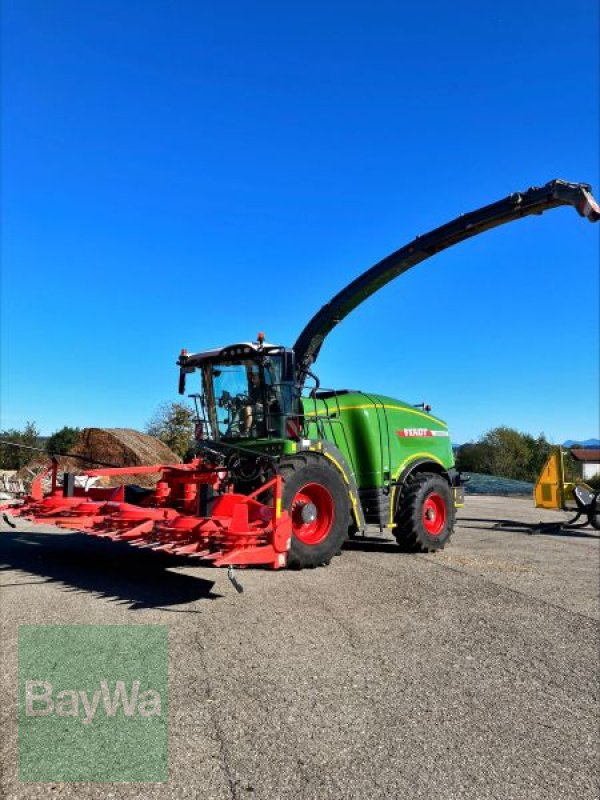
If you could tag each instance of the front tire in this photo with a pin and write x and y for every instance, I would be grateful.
(316, 498)
(426, 515)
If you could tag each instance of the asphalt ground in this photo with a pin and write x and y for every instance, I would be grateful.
(471, 673)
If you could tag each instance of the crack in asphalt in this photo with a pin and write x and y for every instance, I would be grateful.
(224, 755)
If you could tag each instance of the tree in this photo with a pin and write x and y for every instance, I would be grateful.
(473, 457)
(505, 452)
(509, 453)
(62, 440)
(173, 424)
(12, 457)
(540, 451)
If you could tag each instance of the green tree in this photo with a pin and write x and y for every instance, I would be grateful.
(509, 452)
(474, 457)
(173, 424)
(62, 440)
(14, 457)
(505, 452)
(540, 449)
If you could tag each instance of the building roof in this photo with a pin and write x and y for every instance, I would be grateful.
(591, 455)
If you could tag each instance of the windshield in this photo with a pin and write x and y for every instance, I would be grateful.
(247, 397)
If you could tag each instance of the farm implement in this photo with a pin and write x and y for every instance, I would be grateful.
(240, 529)
(285, 471)
(557, 489)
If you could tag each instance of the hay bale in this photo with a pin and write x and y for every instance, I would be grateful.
(119, 447)
(122, 447)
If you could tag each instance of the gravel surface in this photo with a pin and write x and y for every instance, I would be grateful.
(472, 673)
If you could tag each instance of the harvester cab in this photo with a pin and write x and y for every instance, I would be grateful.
(283, 476)
(247, 391)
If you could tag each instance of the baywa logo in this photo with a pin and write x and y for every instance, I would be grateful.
(93, 703)
(40, 702)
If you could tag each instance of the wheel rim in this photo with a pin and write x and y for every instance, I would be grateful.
(312, 499)
(434, 514)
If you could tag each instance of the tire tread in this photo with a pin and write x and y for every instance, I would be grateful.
(305, 556)
(409, 531)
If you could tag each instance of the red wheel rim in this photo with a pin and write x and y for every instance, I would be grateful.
(434, 514)
(314, 499)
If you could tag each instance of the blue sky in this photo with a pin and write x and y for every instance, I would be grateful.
(186, 174)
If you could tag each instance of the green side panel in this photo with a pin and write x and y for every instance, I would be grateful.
(377, 435)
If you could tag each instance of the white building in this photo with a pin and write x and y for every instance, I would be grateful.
(590, 461)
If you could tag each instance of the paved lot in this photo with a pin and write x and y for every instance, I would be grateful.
(472, 673)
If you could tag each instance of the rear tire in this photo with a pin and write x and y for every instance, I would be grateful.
(426, 515)
(316, 498)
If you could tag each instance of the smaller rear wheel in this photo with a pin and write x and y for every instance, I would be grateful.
(426, 514)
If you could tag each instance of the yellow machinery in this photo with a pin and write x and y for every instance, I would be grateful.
(554, 490)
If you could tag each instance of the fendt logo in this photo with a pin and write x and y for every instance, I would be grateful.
(40, 701)
(420, 433)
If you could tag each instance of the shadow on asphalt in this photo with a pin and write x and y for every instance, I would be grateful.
(531, 528)
(370, 543)
(106, 569)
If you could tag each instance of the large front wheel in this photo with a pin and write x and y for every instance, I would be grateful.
(316, 498)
